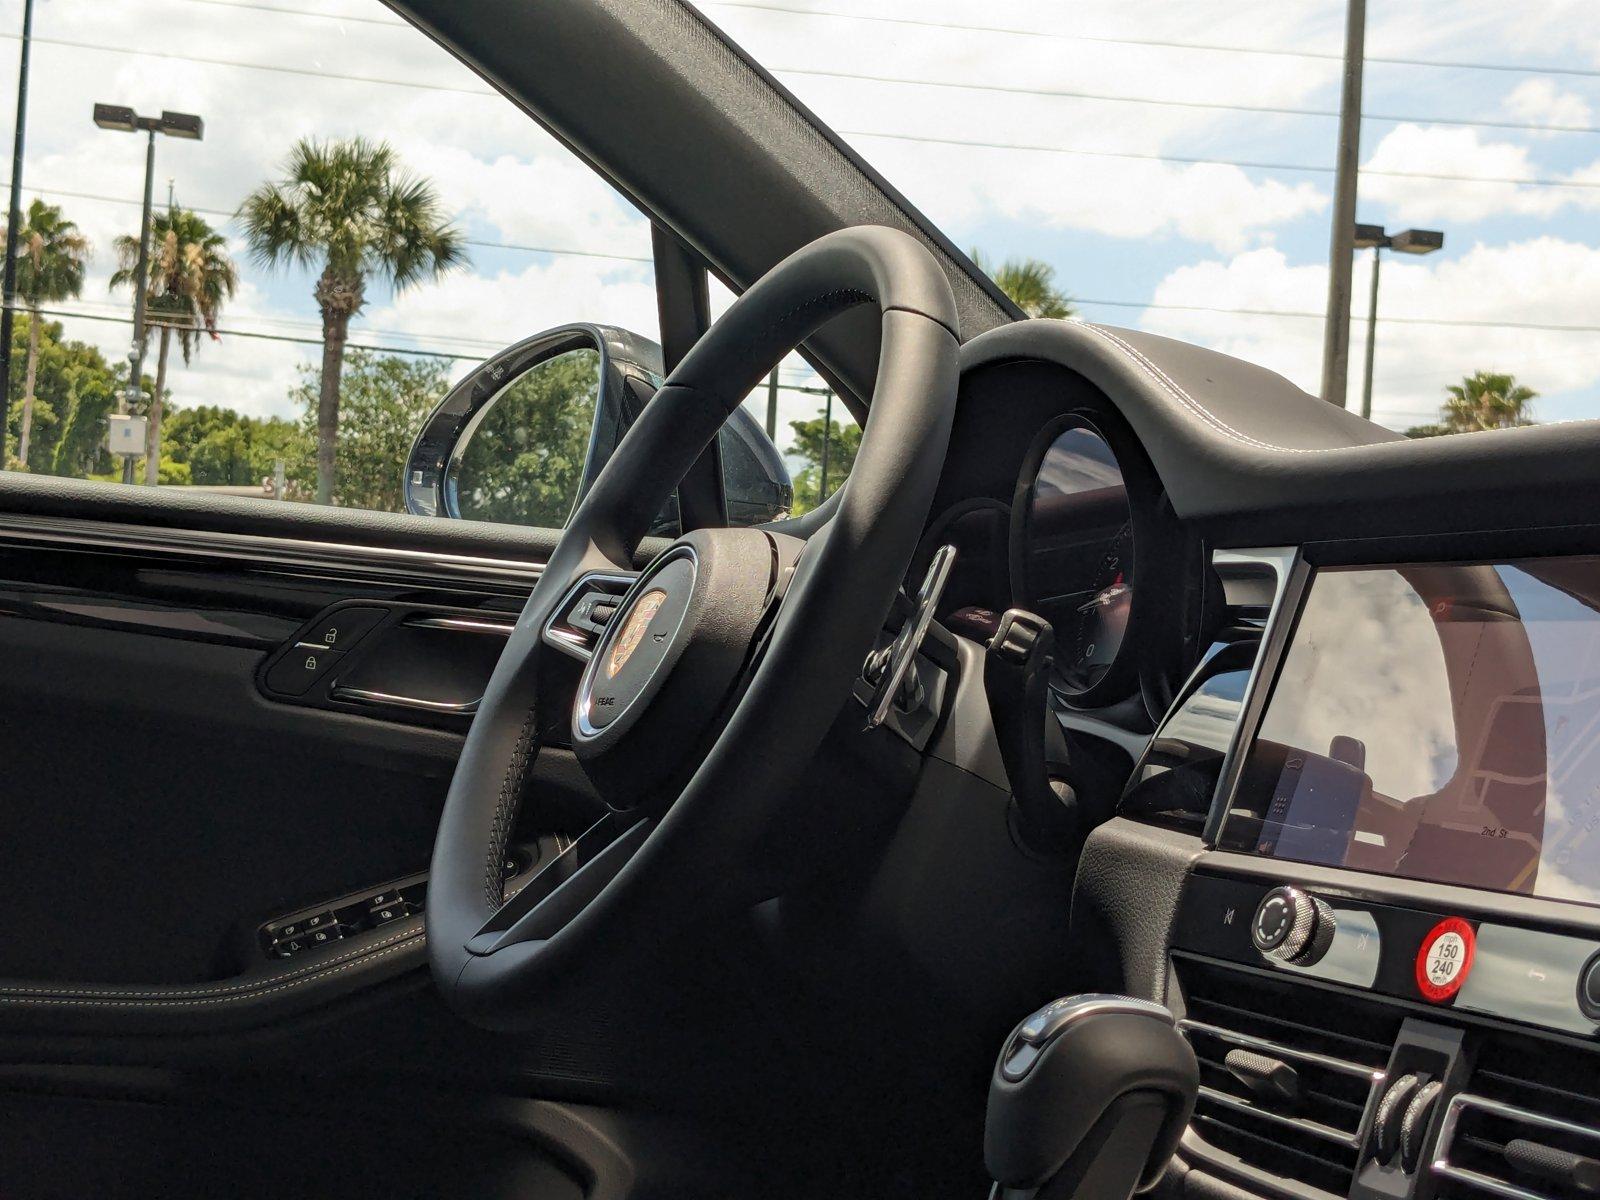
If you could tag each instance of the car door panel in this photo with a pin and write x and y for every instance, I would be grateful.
(163, 805)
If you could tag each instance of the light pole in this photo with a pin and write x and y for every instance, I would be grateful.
(1407, 241)
(8, 288)
(174, 124)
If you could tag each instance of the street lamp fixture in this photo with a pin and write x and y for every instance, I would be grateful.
(122, 119)
(1407, 241)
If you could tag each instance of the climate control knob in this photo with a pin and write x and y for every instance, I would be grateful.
(1292, 926)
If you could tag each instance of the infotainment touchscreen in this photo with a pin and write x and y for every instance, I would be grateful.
(1439, 722)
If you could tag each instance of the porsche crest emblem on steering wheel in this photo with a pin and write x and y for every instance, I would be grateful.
(633, 631)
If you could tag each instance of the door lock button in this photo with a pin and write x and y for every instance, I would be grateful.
(303, 665)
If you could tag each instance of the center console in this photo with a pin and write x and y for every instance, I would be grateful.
(1386, 946)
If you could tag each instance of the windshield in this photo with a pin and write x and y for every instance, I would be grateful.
(1170, 167)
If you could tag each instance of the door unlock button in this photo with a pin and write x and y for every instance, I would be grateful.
(297, 670)
(339, 629)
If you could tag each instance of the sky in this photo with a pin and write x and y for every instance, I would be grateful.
(1107, 158)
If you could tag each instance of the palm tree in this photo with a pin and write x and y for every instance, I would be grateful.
(1031, 285)
(51, 254)
(190, 278)
(347, 206)
(1488, 400)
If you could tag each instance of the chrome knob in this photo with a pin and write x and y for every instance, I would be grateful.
(1292, 926)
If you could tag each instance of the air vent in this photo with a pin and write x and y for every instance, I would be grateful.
(1527, 1128)
(1279, 1093)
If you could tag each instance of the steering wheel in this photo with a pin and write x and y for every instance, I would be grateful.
(726, 661)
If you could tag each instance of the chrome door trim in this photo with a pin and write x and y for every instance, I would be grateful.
(367, 696)
(261, 548)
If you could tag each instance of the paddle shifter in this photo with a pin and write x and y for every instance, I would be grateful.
(1088, 1100)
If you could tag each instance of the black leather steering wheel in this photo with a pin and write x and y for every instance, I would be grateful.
(726, 662)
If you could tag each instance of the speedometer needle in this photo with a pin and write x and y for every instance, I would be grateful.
(1104, 598)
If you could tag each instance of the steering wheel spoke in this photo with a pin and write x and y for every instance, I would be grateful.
(564, 885)
(580, 617)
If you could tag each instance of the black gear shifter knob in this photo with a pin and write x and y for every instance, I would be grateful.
(1088, 1100)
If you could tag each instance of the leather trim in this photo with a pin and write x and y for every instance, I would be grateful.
(196, 1009)
(1261, 462)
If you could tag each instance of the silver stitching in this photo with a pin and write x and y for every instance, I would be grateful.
(321, 973)
(193, 995)
(1194, 406)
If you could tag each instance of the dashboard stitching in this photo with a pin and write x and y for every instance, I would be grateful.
(183, 1003)
(9, 994)
(1194, 405)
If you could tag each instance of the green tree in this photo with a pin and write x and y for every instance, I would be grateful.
(524, 462)
(1488, 400)
(842, 444)
(1483, 400)
(190, 278)
(74, 389)
(347, 206)
(51, 253)
(386, 398)
(218, 446)
(1031, 285)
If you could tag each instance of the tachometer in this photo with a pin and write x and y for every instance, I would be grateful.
(1072, 550)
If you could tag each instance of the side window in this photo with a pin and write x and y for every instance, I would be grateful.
(346, 223)
(795, 417)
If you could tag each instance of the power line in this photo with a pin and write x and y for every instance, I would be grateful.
(1220, 162)
(265, 337)
(301, 12)
(1225, 162)
(238, 64)
(1163, 102)
(79, 314)
(1317, 316)
(226, 215)
(1326, 56)
(1158, 43)
(1097, 301)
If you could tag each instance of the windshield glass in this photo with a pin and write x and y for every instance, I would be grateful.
(1170, 167)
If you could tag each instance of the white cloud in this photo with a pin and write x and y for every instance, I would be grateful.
(510, 305)
(1539, 101)
(1216, 206)
(1199, 226)
(1540, 281)
(1436, 150)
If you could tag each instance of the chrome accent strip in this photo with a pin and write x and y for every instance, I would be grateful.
(1447, 1129)
(1287, 565)
(365, 696)
(1373, 1075)
(577, 646)
(265, 549)
(906, 644)
(1060, 1014)
(1315, 1128)
(464, 625)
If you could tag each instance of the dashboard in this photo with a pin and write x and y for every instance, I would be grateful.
(1356, 682)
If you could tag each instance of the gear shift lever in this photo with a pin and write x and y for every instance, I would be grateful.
(1088, 1100)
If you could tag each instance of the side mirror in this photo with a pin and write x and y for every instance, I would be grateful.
(523, 437)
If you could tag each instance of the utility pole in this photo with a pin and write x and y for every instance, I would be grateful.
(8, 289)
(123, 119)
(827, 439)
(772, 405)
(1341, 250)
(141, 285)
(1372, 334)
